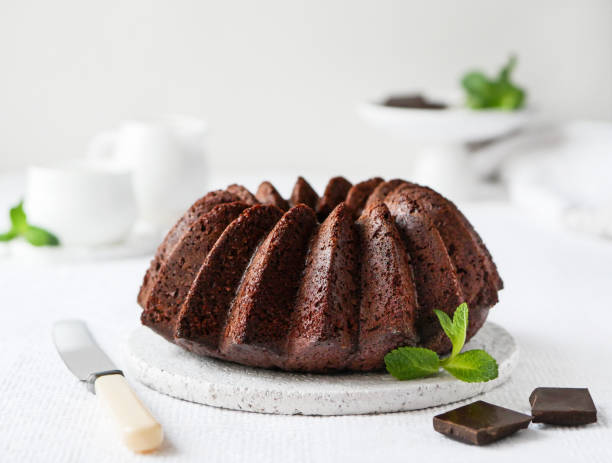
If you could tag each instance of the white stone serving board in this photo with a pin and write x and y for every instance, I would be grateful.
(171, 370)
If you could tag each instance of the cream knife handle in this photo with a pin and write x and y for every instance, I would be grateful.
(139, 430)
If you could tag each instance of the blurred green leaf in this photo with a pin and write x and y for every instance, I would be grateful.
(504, 73)
(8, 236)
(501, 93)
(38, 237)
(18, 218)
(476, 82)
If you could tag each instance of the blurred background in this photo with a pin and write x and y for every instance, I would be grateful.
(239, 91)
(279, 81)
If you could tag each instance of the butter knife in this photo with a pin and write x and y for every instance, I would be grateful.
(138, 429)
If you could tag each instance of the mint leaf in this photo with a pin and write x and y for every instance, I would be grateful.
(473, 366)
(504, 73)
(446, 323)
(477, 83)
(8, 236)
(480, 92)
(455, 329)
(512, 98)
(32, 234)
(499, 93)
(38, 237)
(460, 323)
(412, 362)
(18, 218)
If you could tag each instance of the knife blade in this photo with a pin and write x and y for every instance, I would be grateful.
(84, 358)
(78, 349)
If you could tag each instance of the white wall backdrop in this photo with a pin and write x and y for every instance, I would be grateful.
(278, 80)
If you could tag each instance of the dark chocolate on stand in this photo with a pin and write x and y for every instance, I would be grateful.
(412, 102)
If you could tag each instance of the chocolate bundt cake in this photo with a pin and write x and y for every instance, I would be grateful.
(315, 283)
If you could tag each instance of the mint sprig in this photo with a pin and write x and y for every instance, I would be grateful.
(499, 93)
(36, 236)
(472, 366)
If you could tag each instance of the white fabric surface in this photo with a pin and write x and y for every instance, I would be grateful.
(560, 171)
(556, 303)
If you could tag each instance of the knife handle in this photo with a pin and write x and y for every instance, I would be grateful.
(139, 431)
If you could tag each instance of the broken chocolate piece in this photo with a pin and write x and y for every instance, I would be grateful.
(562, 406)
(480, 423)
(412, 102)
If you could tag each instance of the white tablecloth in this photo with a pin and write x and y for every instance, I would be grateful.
(557, 303)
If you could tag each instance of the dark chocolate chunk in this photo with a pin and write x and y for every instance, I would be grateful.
(563, 406)
(480, 423)
(412, 101)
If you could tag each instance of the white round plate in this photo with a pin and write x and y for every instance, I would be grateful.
(442, 126)
(173, 371)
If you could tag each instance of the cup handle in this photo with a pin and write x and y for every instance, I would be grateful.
(102, 146)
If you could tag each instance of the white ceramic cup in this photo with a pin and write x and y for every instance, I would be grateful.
(167, 158)
(82, 202)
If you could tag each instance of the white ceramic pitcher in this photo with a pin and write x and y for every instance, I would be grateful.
(167, 158)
